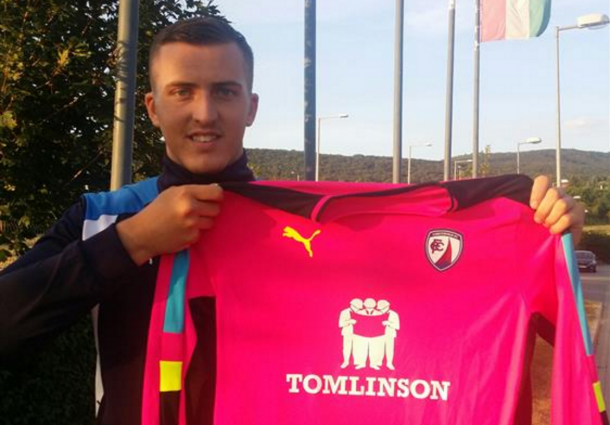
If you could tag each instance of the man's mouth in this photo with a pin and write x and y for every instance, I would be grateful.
(203, 138)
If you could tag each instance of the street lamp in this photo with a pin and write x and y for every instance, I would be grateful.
(318, 144)
(456, 166)
(409, 162)
(592, 21)
(529, 141)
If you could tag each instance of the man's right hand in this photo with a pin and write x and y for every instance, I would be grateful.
(172, 222)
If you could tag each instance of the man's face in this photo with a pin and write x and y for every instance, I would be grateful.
(201, 103)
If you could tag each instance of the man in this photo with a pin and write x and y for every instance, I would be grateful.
(392, 325)
(104, 250)
(202, 100)
(346, 323)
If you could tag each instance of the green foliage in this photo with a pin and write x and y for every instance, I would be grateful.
(597, 242)
(57, 87)
(56, 389)
(7, 120)
(56, 114)
(594, 193)
(485, 164)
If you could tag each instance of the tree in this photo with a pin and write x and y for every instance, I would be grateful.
(486, 165)
(56, 115)
(56, 104)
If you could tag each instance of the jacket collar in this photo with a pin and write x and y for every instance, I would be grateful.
(175, 175)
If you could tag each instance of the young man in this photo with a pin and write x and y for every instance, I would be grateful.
(104, 250)
(98, 253)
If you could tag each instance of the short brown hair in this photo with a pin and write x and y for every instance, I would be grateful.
(203, 31)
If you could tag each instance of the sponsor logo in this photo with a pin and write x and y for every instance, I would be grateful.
(443, 248)
(368, 329)
(369, 386)
(291, 233)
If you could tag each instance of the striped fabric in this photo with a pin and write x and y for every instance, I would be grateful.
(572, 265)
(513, 19)
(169, 351)
(102, 210)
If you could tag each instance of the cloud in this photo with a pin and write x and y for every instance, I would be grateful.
(587, 123)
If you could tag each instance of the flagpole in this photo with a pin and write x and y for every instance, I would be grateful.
(398, 37)
(449, 96)
(477, 67)
(310, 90)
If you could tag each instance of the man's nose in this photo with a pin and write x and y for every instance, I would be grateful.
(204, 109)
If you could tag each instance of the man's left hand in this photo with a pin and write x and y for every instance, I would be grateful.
(555, 209)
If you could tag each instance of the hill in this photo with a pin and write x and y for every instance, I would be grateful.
(272, 164)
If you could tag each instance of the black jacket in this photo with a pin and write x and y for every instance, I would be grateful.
(63, 277)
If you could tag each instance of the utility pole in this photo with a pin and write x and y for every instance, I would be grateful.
(125, 94)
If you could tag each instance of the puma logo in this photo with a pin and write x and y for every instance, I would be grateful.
(289, 232)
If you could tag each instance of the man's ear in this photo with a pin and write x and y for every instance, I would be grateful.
(149, 101)
(253, 109)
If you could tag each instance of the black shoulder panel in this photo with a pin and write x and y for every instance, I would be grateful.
(463, 193)
(291, 201)
(470, 192)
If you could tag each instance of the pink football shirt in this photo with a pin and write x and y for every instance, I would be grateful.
(355, 304)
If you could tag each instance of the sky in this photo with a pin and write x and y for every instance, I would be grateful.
(355, 76)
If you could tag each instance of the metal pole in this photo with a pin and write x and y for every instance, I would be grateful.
(124, 99)
(558, 148)
(318, 150)
(409, 167)
(518, 165)
(477, 66)
(396, 168)
(449, 97)
(310, 89)
(455, 164)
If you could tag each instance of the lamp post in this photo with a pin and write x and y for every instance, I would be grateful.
(456, 166)
(529, 141)
(593, 21)
(409, 162)
(318, 144)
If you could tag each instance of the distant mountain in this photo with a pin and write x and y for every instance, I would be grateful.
(289, 165)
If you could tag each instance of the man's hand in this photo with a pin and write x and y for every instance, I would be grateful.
(555, 209)
(172, 222)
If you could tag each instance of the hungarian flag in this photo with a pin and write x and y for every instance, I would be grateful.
(513, 19)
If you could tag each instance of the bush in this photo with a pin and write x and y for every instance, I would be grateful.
(53, 386)
(597, 242)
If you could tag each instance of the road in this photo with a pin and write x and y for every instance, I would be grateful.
(596, 287)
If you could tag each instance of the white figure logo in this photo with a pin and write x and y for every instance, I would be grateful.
(368, 328)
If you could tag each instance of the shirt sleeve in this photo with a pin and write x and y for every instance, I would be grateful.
(576, 390)
(58, 281)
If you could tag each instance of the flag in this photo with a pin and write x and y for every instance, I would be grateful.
(513, 19)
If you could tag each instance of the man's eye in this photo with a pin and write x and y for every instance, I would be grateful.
(181, 92)
(225, 92)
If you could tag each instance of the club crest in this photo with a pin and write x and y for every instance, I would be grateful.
(443, 248)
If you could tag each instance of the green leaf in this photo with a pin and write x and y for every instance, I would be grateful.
(63, 58)
(24, 221)
(7, 120)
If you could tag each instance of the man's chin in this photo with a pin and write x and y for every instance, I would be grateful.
(207, 167)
